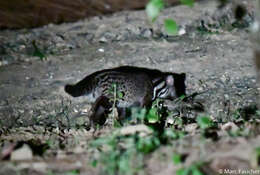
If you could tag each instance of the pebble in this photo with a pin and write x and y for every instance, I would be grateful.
(101, 50)
(103, 40)
(182, 31)
(146, 33)
(21, 111)
(191, 128)
(170, 121)
(223, 78)
(23, 153)
(106, 37)
(2, 63)
(226, 96)
(229, 126)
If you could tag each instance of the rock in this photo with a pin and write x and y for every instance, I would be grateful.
(182, 31)
(146, 33)
(23, 153)
(106, 37)
(2, 63)
(101, 50)
(191, 128)
(143, 129)
(103, 40)
(169, 121)
(229, 126)
(7, 150)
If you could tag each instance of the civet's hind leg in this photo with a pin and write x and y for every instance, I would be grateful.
(100, 110)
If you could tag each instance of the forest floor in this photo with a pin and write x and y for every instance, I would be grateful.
(43, 133)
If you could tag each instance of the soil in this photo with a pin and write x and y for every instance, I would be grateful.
(217, 61)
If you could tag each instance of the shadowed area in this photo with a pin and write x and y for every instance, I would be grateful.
(34, 13)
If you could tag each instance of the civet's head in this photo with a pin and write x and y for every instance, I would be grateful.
(170, 87)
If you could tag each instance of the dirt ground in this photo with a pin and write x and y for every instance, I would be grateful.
(34, 109)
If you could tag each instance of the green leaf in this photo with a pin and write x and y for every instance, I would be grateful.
(179, 122)
(204, 122)
(50, 172)
(152, 115)
(171, 27)
(183, 171)
(138, 113)
(197, 172)
(182, 97)
(257, 150)
(72, 172)
(189, 3)
(181, 134)
(120, 95)
(124, 164)
(176, 159)
(116, 124)
(169, 133)
(114, 86)
(153, 9)
(94, 163)
(101, 141)
(37, 52)
(195, 169)
(148, 144)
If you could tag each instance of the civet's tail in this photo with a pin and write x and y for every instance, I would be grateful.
(74, 90)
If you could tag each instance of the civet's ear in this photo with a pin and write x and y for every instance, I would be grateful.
(170, 80)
